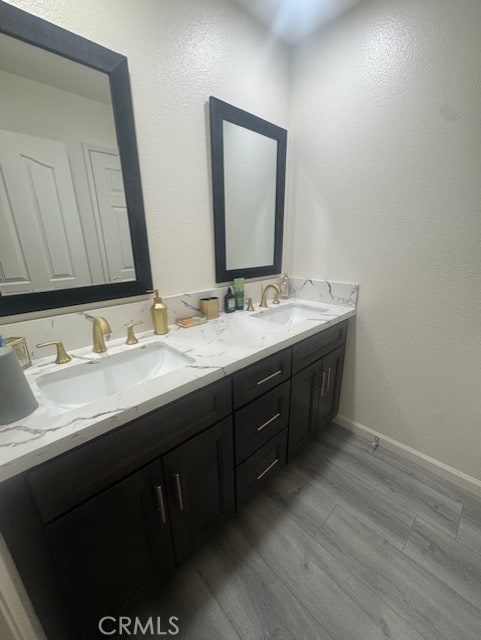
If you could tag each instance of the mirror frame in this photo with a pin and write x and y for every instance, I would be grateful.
(24, 26)
(220, 111)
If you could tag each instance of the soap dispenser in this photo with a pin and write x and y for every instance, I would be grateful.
(229, 301)
(159, 315)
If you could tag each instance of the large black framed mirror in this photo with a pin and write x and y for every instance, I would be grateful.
(72, 223)
(248, 177)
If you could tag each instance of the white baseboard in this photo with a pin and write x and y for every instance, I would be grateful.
(459, 478)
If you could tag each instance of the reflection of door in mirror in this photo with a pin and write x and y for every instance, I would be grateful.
(41, 242)
(62, 200)
(110, 209)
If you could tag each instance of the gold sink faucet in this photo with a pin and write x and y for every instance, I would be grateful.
(62, 355)
(276, 295)
(101, 328)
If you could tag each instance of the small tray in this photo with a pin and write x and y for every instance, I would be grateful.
(191, 321)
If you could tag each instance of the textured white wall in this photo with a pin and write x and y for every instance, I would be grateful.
(180, 53)
(386, 169)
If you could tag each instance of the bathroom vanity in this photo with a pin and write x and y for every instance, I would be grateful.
(91, 526)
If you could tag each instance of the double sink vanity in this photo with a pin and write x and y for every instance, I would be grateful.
(136, 456)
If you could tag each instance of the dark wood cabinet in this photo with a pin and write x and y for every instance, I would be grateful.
(141, 528)
(200, 479)
(260, 466)
(331, 376)
(112, 546)
(314, 399)
(253, 381)
(304, 407)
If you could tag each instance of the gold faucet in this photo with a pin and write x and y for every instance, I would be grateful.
(264, 295)
(101, 328)
(62, 355)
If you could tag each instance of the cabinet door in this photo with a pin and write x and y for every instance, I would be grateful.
(332, 366)
(305, 397)
(200, 478)
(110, 547)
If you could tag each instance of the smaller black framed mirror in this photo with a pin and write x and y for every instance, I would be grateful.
(248, 178)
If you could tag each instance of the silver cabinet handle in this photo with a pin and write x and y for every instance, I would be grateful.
(263, 426)
(178, 488)
(273, 464)
(323, 380)
(159, 492)
(328, 379)
(269, 377)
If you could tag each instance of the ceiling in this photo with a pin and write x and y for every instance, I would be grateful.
(294, 20)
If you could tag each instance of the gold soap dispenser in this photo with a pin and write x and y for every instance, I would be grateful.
(159, 315)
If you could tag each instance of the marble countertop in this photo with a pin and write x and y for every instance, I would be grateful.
(218, 348)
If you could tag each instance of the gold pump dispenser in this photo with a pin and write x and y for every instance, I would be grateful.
(159, 315)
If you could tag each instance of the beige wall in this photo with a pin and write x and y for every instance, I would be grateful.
(180, 53)
(386, 168)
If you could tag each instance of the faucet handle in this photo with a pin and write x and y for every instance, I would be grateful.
(62, 355)
(250, 304)
(131, 338)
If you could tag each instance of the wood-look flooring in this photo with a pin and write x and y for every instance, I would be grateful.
(345, 543)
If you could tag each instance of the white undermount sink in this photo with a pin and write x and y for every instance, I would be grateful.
(290, 314)
(65, 390)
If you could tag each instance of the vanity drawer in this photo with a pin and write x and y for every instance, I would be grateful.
(256, 423)
(252, 473)
(92, 467)
(255, 380)
(315, 347)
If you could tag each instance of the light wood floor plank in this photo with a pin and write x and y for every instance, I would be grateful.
(307, 505)
(427, 603)
(187, 597)
(338, 600)
(256, 601)
(417, 496)
(453, 563)
(469, 530)
(374, 507)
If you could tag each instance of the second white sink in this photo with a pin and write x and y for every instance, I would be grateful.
(65, 390)
(290, 314)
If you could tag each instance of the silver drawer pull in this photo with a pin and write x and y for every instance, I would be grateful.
(178, 488)
(272, 375)
(323, 383)
(159, 492)
(328, 379)
(323, 380)
(263, 426)
(272, 464)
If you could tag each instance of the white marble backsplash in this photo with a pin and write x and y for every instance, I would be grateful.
(341, 293)
(75, 330)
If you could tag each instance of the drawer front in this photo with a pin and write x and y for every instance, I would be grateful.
(255, 380)
(315, 347)
(63, 482)
(256, 423)
(252, 473)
